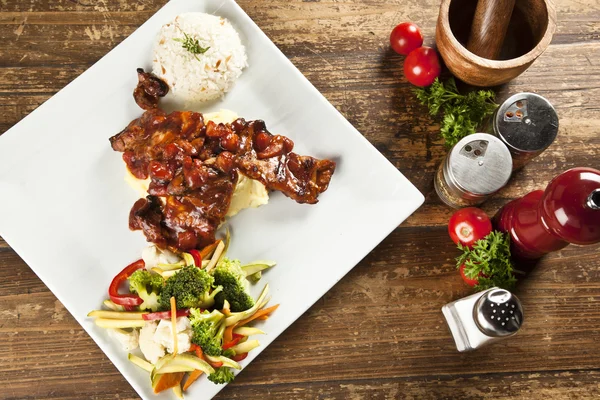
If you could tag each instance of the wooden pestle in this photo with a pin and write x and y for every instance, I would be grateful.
(489, 27)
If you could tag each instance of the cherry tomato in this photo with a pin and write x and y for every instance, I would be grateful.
(468, 225)
(468, 281)
(405, 38)
(422, 66)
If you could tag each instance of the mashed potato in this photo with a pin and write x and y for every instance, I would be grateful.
(248, 193)
(140, 186)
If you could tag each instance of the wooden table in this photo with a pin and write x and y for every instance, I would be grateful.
(379, 333)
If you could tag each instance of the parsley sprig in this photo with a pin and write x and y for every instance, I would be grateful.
(489, 257)
(462, 114)
(192, 45)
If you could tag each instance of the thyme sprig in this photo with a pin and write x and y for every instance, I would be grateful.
(192, 45)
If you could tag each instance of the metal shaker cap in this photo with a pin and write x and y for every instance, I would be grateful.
(498, 313)
(526, 122)
(478, 166)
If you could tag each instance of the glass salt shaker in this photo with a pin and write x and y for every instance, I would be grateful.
(475, 168)
(483, 318)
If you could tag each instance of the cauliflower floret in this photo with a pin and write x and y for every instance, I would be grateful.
(151, 349)
(164, 335)
(153, 256)
(128, 340)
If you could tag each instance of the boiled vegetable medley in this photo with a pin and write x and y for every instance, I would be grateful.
(188, 315)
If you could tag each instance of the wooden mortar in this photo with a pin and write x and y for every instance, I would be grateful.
(530, 31)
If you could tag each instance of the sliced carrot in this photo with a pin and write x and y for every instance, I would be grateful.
(194, 348)
(259, 313)
(228, 334)
(262, 318)
(207, 251)
(167, 381)
(192, 378)
(174, 324)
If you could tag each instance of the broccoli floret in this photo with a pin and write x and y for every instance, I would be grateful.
(208, 329)
(229, 353)
(148, 286)
(221, 375)
(231, 276)
(191, 286)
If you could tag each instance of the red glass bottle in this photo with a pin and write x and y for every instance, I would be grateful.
(568, 211)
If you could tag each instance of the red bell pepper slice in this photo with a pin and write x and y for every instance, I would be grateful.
(217, 364)
(239, 357)
(184, 312)
(113, 290)
(236, 340)
(197, 257)
(231, 344)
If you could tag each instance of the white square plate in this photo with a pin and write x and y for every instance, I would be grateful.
(64, 204)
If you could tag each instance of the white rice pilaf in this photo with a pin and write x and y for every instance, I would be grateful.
(193, 77)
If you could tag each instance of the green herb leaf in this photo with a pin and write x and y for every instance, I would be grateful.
(192, 45)
(461, 114)
(489, 257)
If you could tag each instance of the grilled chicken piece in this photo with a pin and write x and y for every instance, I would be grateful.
(269, 159)
(149, 89)
(194, 168)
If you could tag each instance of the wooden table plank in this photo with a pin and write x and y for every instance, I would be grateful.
(556, 385)
(379, 332)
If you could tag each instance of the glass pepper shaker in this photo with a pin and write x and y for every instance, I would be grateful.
(527, 124)
(483, 318)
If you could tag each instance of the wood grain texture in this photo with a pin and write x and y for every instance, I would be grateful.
(489, 27)
(379, 332)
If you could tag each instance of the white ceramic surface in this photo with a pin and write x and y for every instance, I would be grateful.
(64, 204)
